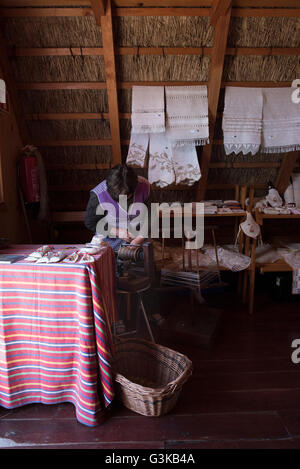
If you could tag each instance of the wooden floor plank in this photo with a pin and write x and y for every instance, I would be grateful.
(122, 430)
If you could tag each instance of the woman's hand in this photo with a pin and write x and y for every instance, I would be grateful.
(121, 233)
(138, 240)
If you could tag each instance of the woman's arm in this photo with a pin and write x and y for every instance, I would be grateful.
(91, 219)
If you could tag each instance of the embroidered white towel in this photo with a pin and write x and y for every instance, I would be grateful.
(242, 120)
(296, 188)
(137, 151)
(187, 115)
(148, 109)
(2, 92)
(281, 121)
(186, 165)
(160, 169)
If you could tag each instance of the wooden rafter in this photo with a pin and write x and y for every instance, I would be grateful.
(288, 164)
(111, 82)
(98, 7)
(214, 86)
(218, 9)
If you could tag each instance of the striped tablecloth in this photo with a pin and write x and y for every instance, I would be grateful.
(55, 343)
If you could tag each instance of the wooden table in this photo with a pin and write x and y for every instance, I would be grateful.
(55, 342)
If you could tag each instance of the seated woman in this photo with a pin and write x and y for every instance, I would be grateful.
(121, 181)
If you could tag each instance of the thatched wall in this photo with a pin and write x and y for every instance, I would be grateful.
(138, 32)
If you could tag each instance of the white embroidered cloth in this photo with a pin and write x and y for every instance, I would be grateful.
(148, 109)
(137, 151)
(296, 188)
(186, 165)
(229, 258)
(2, 92)
(281, 121)
(160, 168)
(187, 115)
(242, 120)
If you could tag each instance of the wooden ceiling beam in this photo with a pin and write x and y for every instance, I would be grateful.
(214, 86)
(141, 11)
(151, 3)
(199, 51)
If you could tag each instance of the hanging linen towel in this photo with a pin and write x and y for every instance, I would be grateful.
(242, 120)
(292, 257)
(187, 115)
(160, 169)
(281, 121)
(137, 152)
(296, 188)
(148, 109)
(2, 92)
(186, 165)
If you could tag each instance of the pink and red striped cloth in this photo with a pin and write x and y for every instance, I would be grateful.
(55, 341)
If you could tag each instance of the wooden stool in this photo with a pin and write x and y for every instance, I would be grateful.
(140, 305)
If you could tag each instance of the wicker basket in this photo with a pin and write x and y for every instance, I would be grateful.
(149, 376)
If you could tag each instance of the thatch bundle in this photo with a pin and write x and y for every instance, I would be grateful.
(69, 129)
(161, 68)
(59, 68)
(52, 32)
(264, 32)
(171, 31)
(76, 178)
(261, 68)
(76, 155)
(242, 176)
(49, 101)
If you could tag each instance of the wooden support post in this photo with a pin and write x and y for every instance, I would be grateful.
(214, 86)
(288, 164)
(111, 82)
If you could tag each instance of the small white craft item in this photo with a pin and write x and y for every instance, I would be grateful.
(250, 227)
(273, 198)
(86, 258)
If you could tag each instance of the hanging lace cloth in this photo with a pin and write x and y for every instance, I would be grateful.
(186, 165)
(137, 152)
(229, 258)
(148, 109)
(160, 169)
(2, 92)
(281, 121)
(242, 120)
(187, 115)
